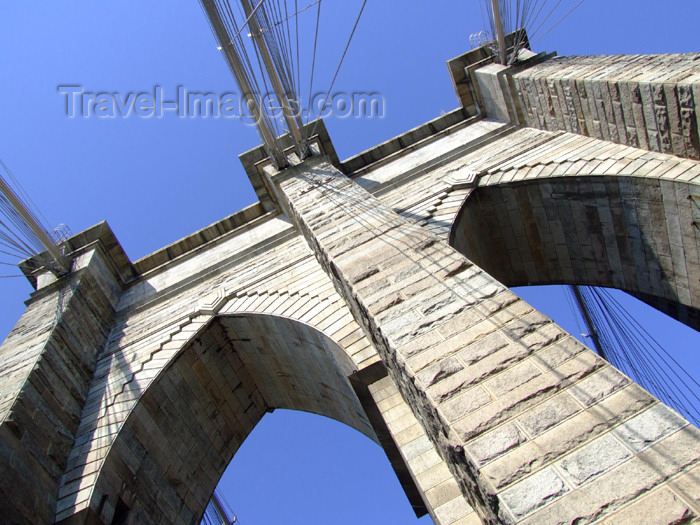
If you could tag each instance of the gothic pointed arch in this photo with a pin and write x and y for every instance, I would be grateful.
(175, 444)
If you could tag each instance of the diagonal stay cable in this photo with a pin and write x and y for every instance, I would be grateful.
(660, 348)
(556, 23)
(342, 58)
(313, 65)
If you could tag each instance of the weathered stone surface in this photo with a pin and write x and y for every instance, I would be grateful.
(548, 414)
(453, 510)
(466, 403)
(685, 486)
(650, 426)
(45, 413)
(594, 459)
(565, 437)
(534, 492)
(483, 348)
(442, 370)
(676, 511)
(513, 378)
(598, 386)
(623, 484)
(621, 109)
(496, 442)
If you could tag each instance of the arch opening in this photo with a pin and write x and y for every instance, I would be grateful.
(636, 234)
(297, 467)
(175, 445)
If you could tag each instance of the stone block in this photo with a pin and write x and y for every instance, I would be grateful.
(565, 437)
(599, 385)
(425, 356)
(521, 399)
(482, 348)
(594, 459)
(650, 426)
(624, 483)
(646, 511)
(434, 476)
(444, 492)
(496, 443)
(469, 325)
(465, 404)
(416, 447)
(440, 371)
(512, 378)
(424, 461)
(492, 95)
(687, 486)
(541, 418)
(452, 386)
(453, 510)
(534, 492)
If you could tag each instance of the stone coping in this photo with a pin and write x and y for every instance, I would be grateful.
(100, 233)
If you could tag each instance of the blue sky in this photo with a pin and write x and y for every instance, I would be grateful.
(156, 180)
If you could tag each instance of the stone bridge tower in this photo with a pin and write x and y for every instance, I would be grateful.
(375, 291)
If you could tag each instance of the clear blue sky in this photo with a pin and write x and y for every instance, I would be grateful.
(157, 180)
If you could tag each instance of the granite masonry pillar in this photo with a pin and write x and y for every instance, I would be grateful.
(46, 365)
(535, 427)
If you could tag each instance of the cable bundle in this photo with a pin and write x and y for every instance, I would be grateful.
(218, 512)
(263, 46)
(537, 17)
(22, 233)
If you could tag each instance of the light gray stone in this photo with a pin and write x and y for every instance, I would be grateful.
(442, 370)
(650, 426)
(483, 348)
(598, 386)
(552, 412)
(645, 512)
(496, 443)
(534, 492)
(466, 403)
(594, 459)
(513, 378)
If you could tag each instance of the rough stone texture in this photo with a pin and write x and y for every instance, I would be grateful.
(650, 426)
(490, 412)
(497, 442)
(535, 492)
(638, 476)
(644, 512)
(47, 362)
(594, 459)
(548, 414)
(641, 101)
(416, 334)
(433, 479)
(579, 210)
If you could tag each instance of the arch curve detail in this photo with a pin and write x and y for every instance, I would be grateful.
(609, 215)
(173, 440)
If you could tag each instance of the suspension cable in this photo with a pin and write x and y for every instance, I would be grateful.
(628, 346)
